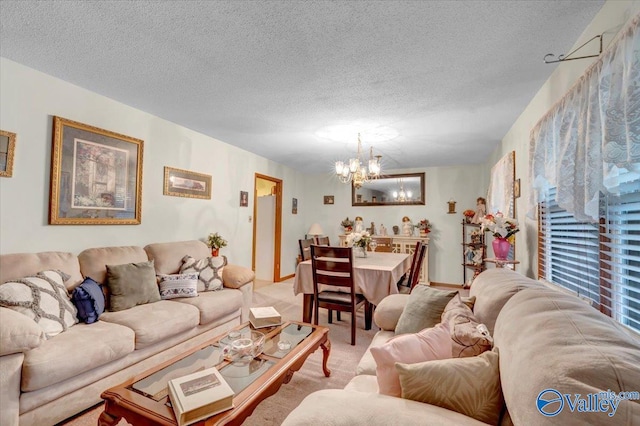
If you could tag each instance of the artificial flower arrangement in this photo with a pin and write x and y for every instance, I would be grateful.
(358, 239)
(215, 241)
(468, 213)
(424, 226)
(347, 224)
(500, 226)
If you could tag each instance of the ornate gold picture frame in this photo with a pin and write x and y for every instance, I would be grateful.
(185, 183)
(7, 148)
(96, 176)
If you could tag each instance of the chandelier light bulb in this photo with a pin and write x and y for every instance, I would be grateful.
(354, 170)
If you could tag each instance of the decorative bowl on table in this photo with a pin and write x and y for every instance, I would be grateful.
(240, 347)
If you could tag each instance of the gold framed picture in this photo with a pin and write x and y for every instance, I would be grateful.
(7, 148)
(328, 199)
(185, 183)
(96, 176)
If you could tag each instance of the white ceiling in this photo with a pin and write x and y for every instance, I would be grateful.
(450, 77)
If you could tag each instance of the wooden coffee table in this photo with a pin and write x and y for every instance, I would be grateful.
(143, 400)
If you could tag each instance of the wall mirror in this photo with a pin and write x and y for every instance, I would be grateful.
(390, 190)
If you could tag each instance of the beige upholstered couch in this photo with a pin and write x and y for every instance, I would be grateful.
(546, 339)
(45, 381)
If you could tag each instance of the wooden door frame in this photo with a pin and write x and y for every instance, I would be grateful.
(277, 245)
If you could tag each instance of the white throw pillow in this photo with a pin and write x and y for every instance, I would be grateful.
(178, 285)
(209, 271)
(43, 298)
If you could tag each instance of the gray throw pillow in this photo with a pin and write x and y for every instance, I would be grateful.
(131, 284)
(424, 309)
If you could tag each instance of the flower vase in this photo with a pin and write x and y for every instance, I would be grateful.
(361, 251)
(215, 252)
(501, 248)
(423, 233)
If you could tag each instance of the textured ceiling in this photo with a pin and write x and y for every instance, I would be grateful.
(273, 77)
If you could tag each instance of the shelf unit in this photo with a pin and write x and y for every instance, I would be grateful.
(474, 250)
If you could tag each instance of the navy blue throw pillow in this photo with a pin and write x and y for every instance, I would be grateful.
(88, 300)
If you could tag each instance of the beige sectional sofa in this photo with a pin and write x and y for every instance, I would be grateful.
(546, 339)
(43, 381)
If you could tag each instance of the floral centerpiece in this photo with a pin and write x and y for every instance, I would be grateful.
(468, 215)
(424, 226)
(347, 224)
(216, 242)
(360, 240)
(503, 230)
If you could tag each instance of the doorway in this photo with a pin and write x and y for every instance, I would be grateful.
(267, 228)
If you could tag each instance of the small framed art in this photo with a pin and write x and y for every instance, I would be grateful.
(7, 147)
(294, 206)
(244, 199)
(328, 199)
(516, 188)
(185, 183)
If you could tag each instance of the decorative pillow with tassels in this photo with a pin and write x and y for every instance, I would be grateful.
(43, 298)
(209, 271)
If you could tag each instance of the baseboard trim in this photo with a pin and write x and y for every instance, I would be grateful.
(286, 278)
(435, 284)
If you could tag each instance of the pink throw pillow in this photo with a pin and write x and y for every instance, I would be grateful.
(428, 345)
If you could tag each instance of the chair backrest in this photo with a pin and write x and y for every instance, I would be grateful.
(305, 248)
(332, 266)
(416, 253)
(415, 277)
(384, 244)
(322, 241)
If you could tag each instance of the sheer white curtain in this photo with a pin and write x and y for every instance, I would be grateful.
(590, 141)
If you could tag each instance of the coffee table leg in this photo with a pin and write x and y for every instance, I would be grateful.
(107, 419)
(326, 349)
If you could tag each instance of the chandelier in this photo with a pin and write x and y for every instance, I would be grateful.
(402, 196)
(354, 171)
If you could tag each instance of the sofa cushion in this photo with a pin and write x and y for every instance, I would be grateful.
(209, 269)
(167, 257)
(18, 333)
(178, 285)
(492, 289)
(18, 265)
(367, 364)
(155, 321)
(214, 305)
(551, 340)
(340, 407)
(423, 309)
(131, 284)
(470, 386)
(389, 310)
(82, 348)
(89, 300)
(429, 344)
(43, 298)
(94, 261)
(235, 276)
(468, 336)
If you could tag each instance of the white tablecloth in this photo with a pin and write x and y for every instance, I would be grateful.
(375, 276)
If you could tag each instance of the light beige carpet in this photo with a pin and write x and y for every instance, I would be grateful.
(342, 361)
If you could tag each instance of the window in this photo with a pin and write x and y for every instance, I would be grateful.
(598, 262)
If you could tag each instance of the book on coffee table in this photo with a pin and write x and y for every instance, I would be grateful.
(266, 316)
(199, 395)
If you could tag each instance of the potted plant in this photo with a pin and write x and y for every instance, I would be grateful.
(347, 224)
(425, 227)
(468, 215)
(360, 240)
(503, 230)
(216, 242)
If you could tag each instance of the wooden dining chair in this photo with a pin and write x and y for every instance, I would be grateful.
(305, 248)
(404, 284)
(334, 266)
(384, 244)
(415, 274)
(322, 241)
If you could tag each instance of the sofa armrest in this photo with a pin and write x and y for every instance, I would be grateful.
(388, 311)
(10, 376)
(235, 276)
(18, 332)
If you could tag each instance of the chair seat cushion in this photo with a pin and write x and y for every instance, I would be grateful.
(214, 305)
(154, 322)
(338, 297)
(81, 348)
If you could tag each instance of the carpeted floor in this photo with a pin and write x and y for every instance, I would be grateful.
(342, 361)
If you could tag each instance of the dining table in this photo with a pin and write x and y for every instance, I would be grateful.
(375, 276)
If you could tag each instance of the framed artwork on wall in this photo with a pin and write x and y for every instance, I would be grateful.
(244, 199)
(294, 206)
(516, 188)
(328, 199)
(185, 183)
(7, 148)
(96, 176)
